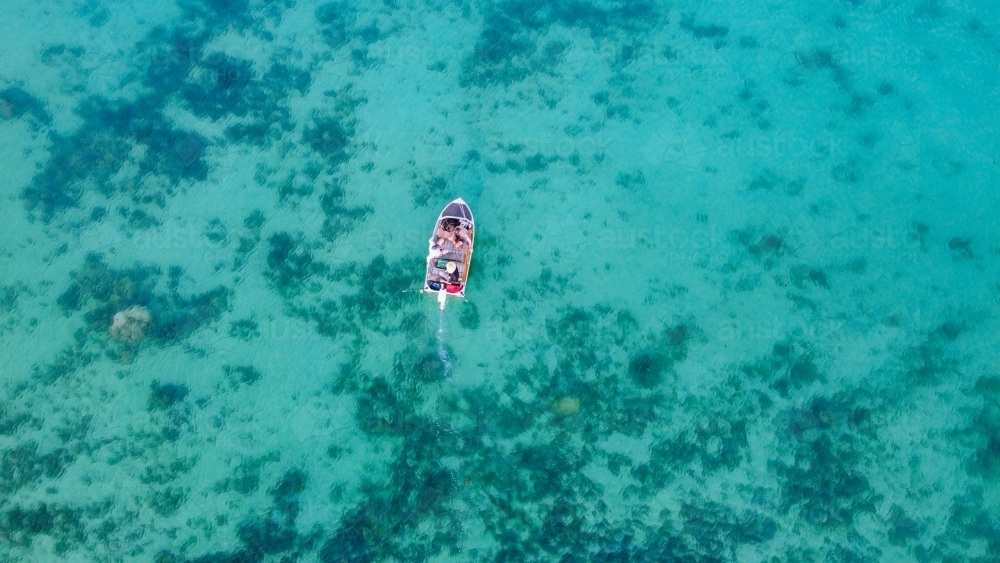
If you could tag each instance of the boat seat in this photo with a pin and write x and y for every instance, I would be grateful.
(444, 272)
(459, 262)
(442, 275)
(448, 250)
(453, 255)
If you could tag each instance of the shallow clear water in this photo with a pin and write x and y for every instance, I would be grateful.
(735, 293)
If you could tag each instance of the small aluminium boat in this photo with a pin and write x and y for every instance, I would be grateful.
(450, 252)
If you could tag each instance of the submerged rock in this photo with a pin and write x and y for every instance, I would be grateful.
(130, 325)
(566, 406)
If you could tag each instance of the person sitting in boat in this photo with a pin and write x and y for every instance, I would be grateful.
(453, 275)
(444, 235)
(451, 240)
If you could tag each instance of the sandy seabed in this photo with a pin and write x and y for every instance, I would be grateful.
(734, 296)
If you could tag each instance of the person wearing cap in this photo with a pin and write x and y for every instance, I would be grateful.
(452, 269)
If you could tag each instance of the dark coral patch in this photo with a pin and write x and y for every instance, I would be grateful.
(23, 465)
(329, 138)
(703, 31)
(15, 102)
(19, 525)
(220, 87)
(647, 369)
(166, 395)
(510, 46)
(290, 263)
(335, 19)
(823, 484)
(961, 248)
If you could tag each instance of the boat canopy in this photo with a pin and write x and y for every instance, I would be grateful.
(457, 209)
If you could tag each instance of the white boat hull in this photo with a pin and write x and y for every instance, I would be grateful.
(449, 253)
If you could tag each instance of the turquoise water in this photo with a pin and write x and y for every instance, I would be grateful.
(735, 293)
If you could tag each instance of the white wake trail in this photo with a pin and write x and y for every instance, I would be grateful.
(442, 351)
